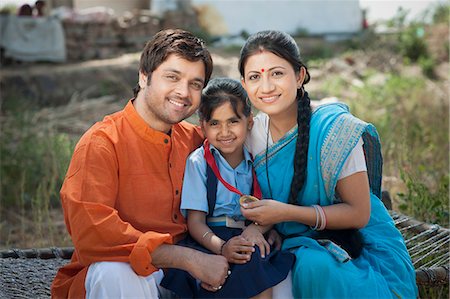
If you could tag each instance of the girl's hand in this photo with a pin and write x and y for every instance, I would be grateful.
(254, 235)
(238, 250)
(264, 212)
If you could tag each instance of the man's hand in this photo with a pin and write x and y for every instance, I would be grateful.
(211, 269)
(238, 250)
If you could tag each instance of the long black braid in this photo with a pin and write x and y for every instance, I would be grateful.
(301, 147)
(284, 46)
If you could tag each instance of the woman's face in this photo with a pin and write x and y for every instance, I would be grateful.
(271, 83)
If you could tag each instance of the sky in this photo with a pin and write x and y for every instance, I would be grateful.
(377, 9)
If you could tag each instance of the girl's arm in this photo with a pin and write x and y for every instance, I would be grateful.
(353, 212)
(198, 229)
(237, 250)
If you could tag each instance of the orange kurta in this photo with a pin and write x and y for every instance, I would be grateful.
(121, 195)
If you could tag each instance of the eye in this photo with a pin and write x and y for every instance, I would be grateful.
(277, 73)
(197, 85)
(253, 77)
(172, 77)
(213, 123)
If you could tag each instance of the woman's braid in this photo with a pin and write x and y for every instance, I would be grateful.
(301, 148)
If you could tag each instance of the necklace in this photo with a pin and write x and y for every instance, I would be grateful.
(267, 160)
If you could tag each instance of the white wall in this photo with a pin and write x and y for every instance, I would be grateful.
(317, 17)
(119, 6)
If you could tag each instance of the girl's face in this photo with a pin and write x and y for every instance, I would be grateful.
(271, 83)
(227, 132)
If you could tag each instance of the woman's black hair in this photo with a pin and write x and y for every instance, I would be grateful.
(219, 91)
(284, 46)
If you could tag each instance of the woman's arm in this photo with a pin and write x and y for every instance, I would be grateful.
(353, 212)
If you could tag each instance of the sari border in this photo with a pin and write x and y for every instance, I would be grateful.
(339, 142)
(260, 159)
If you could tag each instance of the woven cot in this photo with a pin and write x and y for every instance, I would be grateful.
(28, 273)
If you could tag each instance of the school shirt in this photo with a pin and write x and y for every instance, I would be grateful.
(194, 195)
(121, 195)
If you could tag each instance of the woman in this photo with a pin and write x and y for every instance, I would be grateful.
(322, 169)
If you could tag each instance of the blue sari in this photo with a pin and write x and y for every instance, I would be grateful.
(384, 269)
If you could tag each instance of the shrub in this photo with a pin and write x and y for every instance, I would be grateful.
(424, 203)
(33, 162)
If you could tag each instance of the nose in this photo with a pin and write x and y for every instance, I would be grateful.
(224, 130)
(182, 89)
(266, 85)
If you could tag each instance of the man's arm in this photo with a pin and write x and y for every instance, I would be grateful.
(208, 268)
(89, 197)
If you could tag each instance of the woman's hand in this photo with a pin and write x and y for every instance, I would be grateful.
(254, 235)
(238, 250)
(264, 212)
(274, 239)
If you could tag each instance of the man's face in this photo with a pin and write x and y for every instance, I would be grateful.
(173, 92)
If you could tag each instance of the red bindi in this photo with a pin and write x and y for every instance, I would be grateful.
(262, 70)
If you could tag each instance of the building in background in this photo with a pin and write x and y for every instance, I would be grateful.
(312, 17)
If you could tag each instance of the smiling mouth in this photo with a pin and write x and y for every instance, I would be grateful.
(177, 103)
(226, 141)
(269, 99)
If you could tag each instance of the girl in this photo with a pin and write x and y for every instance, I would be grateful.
(323, 170)
(216, 176)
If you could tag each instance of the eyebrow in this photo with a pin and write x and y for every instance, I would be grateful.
(236, 117)
(200, 80)
(272, 68)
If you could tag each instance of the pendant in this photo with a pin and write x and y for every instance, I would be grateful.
(247, 198)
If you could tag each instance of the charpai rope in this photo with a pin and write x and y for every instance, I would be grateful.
(28, 273)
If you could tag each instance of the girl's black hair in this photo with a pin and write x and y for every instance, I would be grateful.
(284, 46)
(219, 91)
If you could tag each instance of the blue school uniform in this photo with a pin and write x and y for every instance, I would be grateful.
(246, 280)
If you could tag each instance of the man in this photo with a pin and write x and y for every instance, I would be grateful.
(121, 194)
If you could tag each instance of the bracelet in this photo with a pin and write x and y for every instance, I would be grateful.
(317, 218)
(323, 218)
(205, 234)
(221, 247)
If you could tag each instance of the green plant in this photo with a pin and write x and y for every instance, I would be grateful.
(424, 203)
(412, 43)
(33, 161)
(300, 32)
(428, 66)
(441, 13)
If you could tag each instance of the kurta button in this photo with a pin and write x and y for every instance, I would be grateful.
(170, 165)
(175, 216)
(166, 140)
(176, 192)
